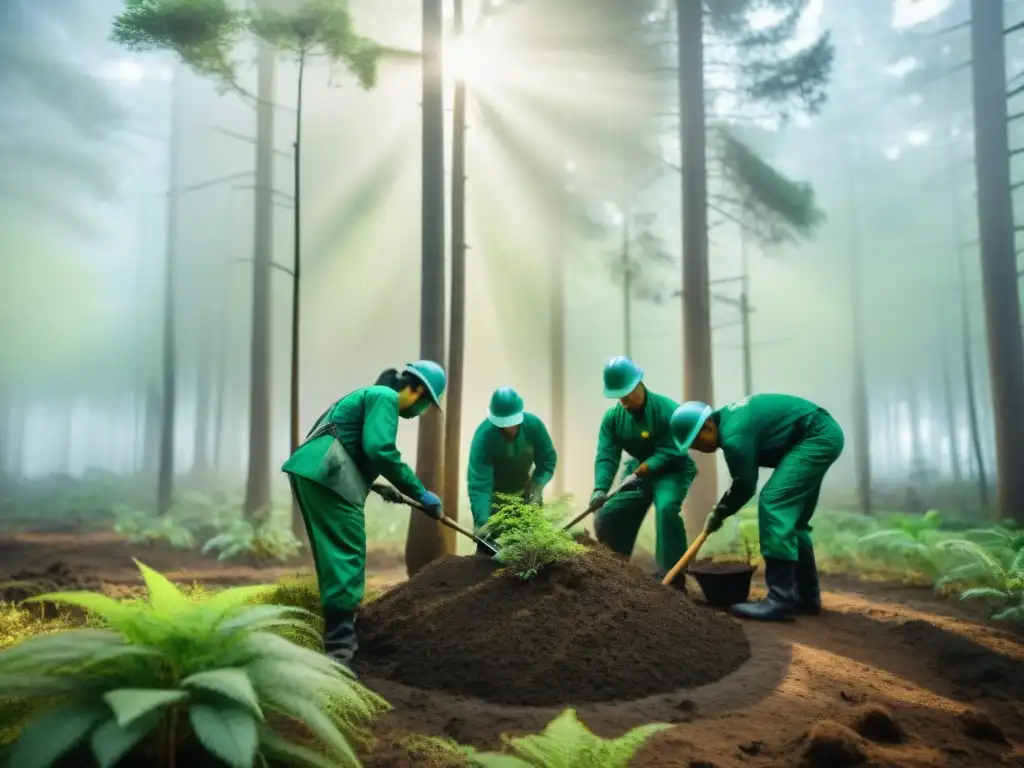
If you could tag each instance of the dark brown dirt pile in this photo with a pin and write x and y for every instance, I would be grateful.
(597, 629)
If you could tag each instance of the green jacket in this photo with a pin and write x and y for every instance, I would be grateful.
(498, 465)
(756, 432)
(364, 426)
(645, 436)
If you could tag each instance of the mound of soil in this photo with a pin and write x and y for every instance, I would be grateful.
(877, 723)
(831, 745)
(595, 629)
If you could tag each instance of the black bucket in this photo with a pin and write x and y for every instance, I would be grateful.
(723, 583)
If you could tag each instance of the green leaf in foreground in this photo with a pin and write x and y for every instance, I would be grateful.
(222, 657)
(567, 743)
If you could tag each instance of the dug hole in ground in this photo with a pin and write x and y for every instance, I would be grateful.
(887, 677)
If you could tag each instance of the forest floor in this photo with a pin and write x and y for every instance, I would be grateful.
(888, 675)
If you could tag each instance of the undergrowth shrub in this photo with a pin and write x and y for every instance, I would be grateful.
(171, 671)
(529, 536)
(262, 539)
(567, 743)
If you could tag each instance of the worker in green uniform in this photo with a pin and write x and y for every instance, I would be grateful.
(657, 471)
(330, 473)
(511, 453)
(801, 441)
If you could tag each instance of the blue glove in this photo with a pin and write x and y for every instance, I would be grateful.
(431, 505)
(597, 497)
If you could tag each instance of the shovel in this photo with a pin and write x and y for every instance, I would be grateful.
(590, 510)
(684, 561)
(384, 491)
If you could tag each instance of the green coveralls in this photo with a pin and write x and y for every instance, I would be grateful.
(646, 437)
(499, 465)
(801, 441)
(331, 472)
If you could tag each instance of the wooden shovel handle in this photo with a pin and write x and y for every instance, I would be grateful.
(686, 558)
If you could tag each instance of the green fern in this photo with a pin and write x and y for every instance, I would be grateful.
(567, 743)
(164, 668)
(529, 536)
(261, 539)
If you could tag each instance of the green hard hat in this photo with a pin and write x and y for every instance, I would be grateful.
(621, 377)
(432, 376)
(687, 421)
(506, 408)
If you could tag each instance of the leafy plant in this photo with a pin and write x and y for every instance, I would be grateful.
(997, 574)
(529, 537)
(906, 543)
(261, 539)
(171, 668)
(143, 528)
(568, 743)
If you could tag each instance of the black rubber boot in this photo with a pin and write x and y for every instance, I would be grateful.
(808, 590)
(340, 641)
(780, 603)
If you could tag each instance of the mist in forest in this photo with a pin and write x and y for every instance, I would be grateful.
(572, 158)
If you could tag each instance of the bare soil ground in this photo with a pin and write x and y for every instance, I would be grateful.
(887, 676)
(33, 563)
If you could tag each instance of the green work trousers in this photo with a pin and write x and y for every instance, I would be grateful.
(618, 522)
(790, 496)
(337, 539)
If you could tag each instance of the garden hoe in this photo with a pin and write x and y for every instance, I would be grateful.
(684, 561)
(589, 510)
(390, 494)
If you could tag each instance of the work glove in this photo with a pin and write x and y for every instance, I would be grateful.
(715, 520)
(631, 482)
(431, 505)
(389, 494)
(597, 497)
(534, 494)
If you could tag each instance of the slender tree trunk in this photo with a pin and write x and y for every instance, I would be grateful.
(204, 384)
(952, 422)
(627, 294)
(257, 489)
(558, 420)
(427, 540)
(967, 353)
(168, 395)
(67, 441)
(698, 381)
(298, 525)
(998, 253)
(861, 418)
(457, 320)
(745, 310)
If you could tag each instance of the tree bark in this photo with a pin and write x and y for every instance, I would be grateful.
(457, 319)
(861, 412)
(952, 422)
(998, 252)
(698, 382)
(204, 385)
(558, 420)
(168, 394)
(298, 523)
(257, 489)
(427, 540)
